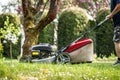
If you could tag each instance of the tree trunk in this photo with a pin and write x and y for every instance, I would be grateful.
(31, 29)
(31, 38)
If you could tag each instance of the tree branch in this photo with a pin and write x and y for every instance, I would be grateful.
(39, 5)
(54, 4)
(24, 7)
(28, 10)
(38, 15)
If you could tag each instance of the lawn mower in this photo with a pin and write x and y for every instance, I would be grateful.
(80, 50)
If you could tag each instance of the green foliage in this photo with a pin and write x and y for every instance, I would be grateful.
(104, 35)
(72, 22)
(14, 19)
(10, 32)
(1, 49)
(47, 35)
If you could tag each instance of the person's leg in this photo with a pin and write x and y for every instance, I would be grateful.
(117, 48)
(116, 40)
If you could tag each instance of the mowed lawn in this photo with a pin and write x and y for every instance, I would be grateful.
(97, 70)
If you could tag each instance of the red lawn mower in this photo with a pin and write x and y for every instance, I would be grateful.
(80, 50)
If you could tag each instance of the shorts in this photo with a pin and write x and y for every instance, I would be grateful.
(116, 37)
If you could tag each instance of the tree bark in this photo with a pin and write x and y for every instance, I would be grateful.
(31, 29)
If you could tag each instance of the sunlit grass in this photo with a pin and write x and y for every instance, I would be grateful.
(13, 70)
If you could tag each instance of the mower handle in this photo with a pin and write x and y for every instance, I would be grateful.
(97, 25)
(62, 49)
(102, 21)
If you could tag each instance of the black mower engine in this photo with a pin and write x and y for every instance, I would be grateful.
(41, 51)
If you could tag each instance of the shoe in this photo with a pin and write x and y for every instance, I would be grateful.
(117, 63)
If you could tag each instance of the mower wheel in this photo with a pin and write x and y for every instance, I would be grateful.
(63, 58)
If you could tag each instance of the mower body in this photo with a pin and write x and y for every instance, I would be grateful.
(81, 51)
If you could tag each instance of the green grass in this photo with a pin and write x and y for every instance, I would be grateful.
(98, 70)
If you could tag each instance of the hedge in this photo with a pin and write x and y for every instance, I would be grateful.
(72, 23)
(104, 35)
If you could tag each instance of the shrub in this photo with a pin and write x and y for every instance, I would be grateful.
(47, 35)
(72, 23)
(10, 23)
(104, 35)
